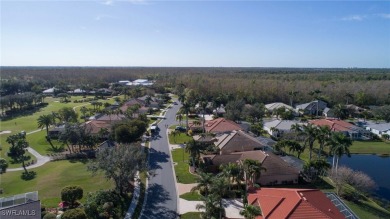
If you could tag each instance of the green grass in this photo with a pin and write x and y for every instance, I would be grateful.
(367, 209)
(51, 178)
(370, 147)
(191, 196)
(190, 215)
(181, 138)
(183, 175)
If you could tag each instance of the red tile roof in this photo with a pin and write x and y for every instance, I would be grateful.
(221, 125)
(333, 124)
(94, 126)
(293, 203)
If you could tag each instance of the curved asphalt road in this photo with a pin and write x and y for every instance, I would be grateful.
(161, 202)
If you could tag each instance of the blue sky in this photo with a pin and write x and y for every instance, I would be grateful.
(196, 33)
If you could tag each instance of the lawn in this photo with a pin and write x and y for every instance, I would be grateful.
(190, 215)
(51, 178)
(181, 138)
(370, 147)
(181, 158)
(191, 196)
(38, 142)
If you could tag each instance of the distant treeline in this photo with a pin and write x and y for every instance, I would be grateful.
(359, 86)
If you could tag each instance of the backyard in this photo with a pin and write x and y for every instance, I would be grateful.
(51, 178)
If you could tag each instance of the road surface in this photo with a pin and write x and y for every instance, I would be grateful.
(161, 200)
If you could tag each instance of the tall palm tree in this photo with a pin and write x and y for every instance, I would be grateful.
(339, 144)
(231, 171)
(292, 94)
(83, 111)
(309, 132)
(316, 95)
(186, 107)
(44, 121)
(211, 206)
(193, 148)
(219, 187)
(322, 136)
(204, 183)
(250, 211)
(252, 169)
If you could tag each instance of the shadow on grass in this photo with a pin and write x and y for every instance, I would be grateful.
(26, 176)
(79, 160)
(372, 210)
(157, 195)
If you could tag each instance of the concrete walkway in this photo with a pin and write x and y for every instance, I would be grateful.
(134, 200)
(40, 160)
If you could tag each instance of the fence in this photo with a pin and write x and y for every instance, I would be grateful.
(18, 199)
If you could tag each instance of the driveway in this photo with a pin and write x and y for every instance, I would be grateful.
(161, 197)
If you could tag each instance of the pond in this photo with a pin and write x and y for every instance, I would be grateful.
(377, 167)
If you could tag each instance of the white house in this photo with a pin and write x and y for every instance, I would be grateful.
(123, 82)
(49, 91)
(278, 127)
(310, 108)
(274, 106)
(142, 82)
(378, 128)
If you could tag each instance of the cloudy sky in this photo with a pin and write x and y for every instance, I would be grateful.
(195, 33)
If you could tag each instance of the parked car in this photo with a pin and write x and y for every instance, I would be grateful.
(180, 128)
(174, 103)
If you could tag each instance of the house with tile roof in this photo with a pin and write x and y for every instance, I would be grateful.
(221, 125)
(337, 125)
(276, 203)
(94, 127)
(279, 127)
(277, 170)
(378, 128)
(310, 108)
(237, 141)
(132, 102)
(274, 106)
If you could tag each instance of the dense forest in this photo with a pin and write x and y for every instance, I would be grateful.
(362, 87)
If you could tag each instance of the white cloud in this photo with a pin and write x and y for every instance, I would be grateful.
(108, 2)
(385, 16)
(138, 2)
(100, 17)
(354, 18)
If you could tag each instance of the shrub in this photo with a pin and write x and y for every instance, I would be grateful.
(50, 216)
(71, 194)
(77, 213)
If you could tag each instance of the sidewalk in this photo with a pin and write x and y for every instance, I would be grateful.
(134, 200)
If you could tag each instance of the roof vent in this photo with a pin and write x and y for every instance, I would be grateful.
(304, 198)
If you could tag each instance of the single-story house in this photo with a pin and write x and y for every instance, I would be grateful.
(378, 128)
(219, 111)
(310, 108)
(328, 113)
(274, 106)
(221, 125)
(141, 82)
(278, 127)
(277, 170)
(276, 203)
(56, 131)
(350, 130)
(123, 82)
(132, 102)
(49, 91)
(237, 141)
(94, 127)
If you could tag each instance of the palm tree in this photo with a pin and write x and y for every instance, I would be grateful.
(309, 132)
(322, 136)
(339, 144)
(219, 188)
(250, 211)
(84, 110)
(348, 96)
(316, 95)
(194, 148)
(211, 206)
(292, 94)
(231, 171)
(252, 169)
(204, 183)
(186, 107)
(44, 121)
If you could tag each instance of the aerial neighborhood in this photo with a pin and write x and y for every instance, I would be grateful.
(156, 148)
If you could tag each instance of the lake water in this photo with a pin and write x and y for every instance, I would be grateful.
(377, 167)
